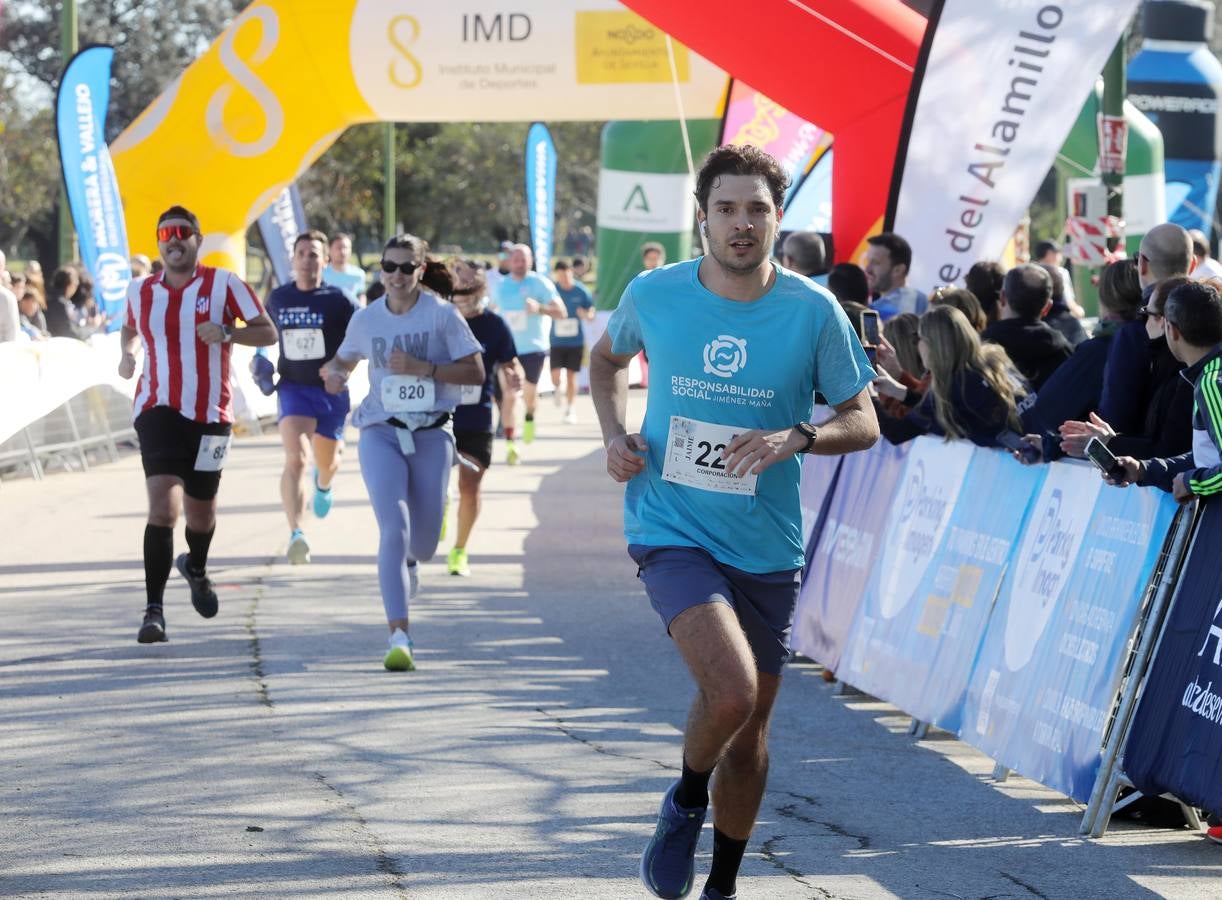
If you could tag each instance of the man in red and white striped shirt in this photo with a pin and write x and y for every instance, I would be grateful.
(184, 318)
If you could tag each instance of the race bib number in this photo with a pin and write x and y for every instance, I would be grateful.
(407, 393)
(302, 344)
(471, 394)
(213, 451)
(516, 319)
(693, 457)
(567, 328)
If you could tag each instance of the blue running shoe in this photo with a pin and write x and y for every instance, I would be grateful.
(668, 864)
(322, 499)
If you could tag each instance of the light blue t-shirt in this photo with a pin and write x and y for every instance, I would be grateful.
(749, 365)
(530, 331)
(900, 300)
(351, 280)
(432, 330)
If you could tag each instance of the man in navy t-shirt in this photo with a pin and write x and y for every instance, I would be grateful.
(568, 337)
(312, 318)
(473, 431)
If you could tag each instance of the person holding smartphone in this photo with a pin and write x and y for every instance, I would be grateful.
(1193, 327)
(974, 390)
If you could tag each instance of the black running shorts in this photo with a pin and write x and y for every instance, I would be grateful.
(169, 445)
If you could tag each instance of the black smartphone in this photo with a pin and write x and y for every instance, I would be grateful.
(1104, 459)
(871, 355)
(1012, 441)
(870, 332)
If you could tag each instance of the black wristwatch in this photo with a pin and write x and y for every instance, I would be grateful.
(809, 432)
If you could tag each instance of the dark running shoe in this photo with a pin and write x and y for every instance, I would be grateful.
(714, 894)
(668, 864)
(203, 597)
(153, 629)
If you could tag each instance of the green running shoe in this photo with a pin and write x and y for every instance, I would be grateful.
(457, 562)
(398, 657)
(528, 432)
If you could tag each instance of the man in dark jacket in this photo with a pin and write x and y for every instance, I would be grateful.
(1193, 321)
(1036, 349)
(64, 318)
(1166, 252)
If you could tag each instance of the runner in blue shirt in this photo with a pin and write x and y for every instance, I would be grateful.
(341, 273)
(526, 300)
(737, 348)
(473, 432)
(311, 318)
(568, 337)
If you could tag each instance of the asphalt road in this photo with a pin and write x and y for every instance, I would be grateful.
(267, 753)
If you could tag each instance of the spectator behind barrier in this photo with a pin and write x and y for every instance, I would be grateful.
(62, 315)
(984, 279)
(1167, 425)
(1193, 325)
(974, 391)
(804, 253)
(964, 301)
(848, 282)
(899, 357)
(1166, 252)
(1047, 253)
(1061, 317)
(888, 260)
(1035, 348)
(653, 255)
(1072, 392)
(1206, 266)
(33, 322)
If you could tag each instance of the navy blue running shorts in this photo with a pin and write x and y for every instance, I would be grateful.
(327, 410)
(678, 578)
(532, 366)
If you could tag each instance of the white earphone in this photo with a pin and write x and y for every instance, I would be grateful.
(704, 227)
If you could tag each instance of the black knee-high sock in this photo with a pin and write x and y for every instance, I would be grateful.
(693, 790)
(158, 558)
(198, 543)
(727, 857)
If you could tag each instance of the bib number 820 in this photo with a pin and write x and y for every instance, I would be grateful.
(411, 392)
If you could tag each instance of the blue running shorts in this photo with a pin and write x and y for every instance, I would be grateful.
(678, 578)
(328, 410)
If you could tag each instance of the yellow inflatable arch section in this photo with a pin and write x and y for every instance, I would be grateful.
(288, 76)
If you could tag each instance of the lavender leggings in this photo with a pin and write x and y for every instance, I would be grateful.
(408, 495)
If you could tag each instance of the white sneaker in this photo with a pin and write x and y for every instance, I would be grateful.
(398, 656)
(570, 417)
(299, 548)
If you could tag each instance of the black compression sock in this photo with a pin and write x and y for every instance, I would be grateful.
(530, 417)
(158, 558)
(198, 543)
(727, 857)
(693, 790)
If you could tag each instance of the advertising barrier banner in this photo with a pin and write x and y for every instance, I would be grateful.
(1175, 743)
(541, 194)
(1042, 689)
(89, 178)
(846, 551)
(944, 552)
(279, 226)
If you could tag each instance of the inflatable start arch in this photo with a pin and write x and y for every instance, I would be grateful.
(287, 77)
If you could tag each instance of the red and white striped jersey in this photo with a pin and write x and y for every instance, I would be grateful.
(180, 370)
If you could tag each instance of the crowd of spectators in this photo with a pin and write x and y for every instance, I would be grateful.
(31, 312)
(1008, 361)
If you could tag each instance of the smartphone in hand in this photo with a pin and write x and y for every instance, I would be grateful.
(1012, 441)
(1105, 461)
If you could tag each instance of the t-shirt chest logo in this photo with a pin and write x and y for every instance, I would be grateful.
(202, 304)
(725, 356)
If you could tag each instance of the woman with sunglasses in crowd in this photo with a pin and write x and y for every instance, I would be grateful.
(421, 353)
(1167, 425)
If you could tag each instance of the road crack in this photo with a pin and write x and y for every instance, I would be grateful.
(567, 731)
(385, 862)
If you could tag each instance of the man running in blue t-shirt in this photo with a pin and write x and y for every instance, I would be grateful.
(568, 336)
(312, 318)
(737, 348)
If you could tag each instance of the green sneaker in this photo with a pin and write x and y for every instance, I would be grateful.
(512, 456)
(528, 432)
(457, 562)
(398, 657)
